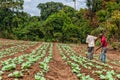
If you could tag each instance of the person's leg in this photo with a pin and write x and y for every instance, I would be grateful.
(103, 57)
(90, 52)
(103, 54)
(105, 51)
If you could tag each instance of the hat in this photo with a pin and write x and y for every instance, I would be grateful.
(100, 34)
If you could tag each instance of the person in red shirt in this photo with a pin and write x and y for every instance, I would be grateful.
(104, 47)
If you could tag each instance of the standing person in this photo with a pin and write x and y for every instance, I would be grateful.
(90, 40)
(103, 46)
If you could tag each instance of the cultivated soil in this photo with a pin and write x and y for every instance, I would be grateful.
(59, 70)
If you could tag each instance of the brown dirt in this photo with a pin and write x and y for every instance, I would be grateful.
(34, 69)
(83, 69)
(89, 71)
(59, 70)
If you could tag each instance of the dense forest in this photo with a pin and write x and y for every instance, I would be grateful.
(60, 23)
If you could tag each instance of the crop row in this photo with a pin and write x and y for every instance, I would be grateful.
(25, 61)
(11, 42)
(115, 62)
(44, 65)
(15, 49)
(78, 63)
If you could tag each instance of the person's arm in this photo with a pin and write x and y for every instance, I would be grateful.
(87, 41)
(96, 38)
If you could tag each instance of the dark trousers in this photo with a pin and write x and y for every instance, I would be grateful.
(90, 52)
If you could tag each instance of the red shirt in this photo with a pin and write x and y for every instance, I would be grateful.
(103, 41)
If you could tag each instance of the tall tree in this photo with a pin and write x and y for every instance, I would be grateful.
(5, 18)
(94, 5)
(49, 8)
(59, 27)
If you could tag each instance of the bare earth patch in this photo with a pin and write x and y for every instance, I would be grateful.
(59, 70)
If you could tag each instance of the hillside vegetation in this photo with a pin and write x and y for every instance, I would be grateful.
(61, 23)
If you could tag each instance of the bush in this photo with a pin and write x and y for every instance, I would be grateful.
(115, 45)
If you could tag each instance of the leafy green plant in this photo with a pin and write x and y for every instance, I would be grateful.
(9, 67)
(102, 77)
(26, 65)
(118, 76)
(16, 74)
(39, 76)
(99, 67)
(44, 66)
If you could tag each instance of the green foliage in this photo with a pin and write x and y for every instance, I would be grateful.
(115, 45)
(101, 28)
(59, 23)
(109, 20)
(111, 6)
(98, 43)
(9, 67)
(83, 25)
(16, 74)
(103, 15)
(30, 32)
(113, 24)
(49, 8)
(69, 11)
(94, 5)
(5, 18)
(13, 4)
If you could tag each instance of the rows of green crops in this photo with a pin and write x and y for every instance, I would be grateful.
(84, 68)
(101, 71)
(26, 61)
(15, 48)
(82, 49)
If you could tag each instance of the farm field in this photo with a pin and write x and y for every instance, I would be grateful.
(27, 60)
(113, 56)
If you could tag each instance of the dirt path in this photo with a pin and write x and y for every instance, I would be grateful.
(59, 70)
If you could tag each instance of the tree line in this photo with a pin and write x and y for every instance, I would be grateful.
(58, 22)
